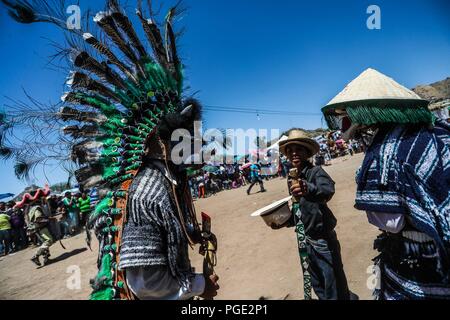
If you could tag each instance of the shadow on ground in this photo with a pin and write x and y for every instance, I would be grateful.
(64, 256)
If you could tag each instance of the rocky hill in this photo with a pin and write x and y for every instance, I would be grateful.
(435, 92)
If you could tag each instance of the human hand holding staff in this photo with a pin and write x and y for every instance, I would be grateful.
(298, 187)
(208, 250)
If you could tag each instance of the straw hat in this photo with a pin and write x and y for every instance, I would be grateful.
(375, 98)
(275, 214)
(373, 85)
(300, 137)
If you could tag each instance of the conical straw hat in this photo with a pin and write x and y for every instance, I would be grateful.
(373, 85)
(375, 98)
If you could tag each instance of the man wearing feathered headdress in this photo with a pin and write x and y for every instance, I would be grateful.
(122, 107)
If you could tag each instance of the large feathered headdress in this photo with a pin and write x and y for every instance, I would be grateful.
(121, 94)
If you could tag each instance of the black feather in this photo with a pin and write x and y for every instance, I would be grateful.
(103, 49)
(124, 23)
(80, 80)
(106, 22)
(85, 152)
(20, 12)
(22, 169)
(84, 61)
(67, 113)
(89, 175)
(5, 153)
(175, 61)
(154, 37)
(85, 131)
(30, 11)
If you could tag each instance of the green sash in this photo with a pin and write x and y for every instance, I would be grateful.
(301, 240)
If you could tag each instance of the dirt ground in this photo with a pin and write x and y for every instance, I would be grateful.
(253, 260)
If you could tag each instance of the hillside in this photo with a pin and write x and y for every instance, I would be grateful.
(435, 92)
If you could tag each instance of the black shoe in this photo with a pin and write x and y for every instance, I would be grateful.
(36, 261)
(353, 296)
(46, 258)
(248, 192)
(263, 190)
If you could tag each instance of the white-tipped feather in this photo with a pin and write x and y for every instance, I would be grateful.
(93, 145)
(87, 35)
(100, 15)
(64, 96)
(69, 80)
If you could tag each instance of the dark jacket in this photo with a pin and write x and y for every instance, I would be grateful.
(317, 218)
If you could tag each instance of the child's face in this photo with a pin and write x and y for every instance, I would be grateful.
(297, 154)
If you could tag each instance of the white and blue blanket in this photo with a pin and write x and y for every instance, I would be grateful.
(407, 170)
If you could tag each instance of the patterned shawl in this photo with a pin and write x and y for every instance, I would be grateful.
(407, 170)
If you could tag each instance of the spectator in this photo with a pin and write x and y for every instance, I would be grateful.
(64, 224)
(255, 176)
(201, 186)
(71, 208)
(242, 178)
(5, 229)
(193, 187)
(18, 233)
(84, 205)
(2, 207)
(53, 204)
(213, 187)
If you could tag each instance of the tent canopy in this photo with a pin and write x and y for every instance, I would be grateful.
(6, 195)
(275, 145)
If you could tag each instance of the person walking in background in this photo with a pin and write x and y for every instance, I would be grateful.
(38, 225)
(255, 177)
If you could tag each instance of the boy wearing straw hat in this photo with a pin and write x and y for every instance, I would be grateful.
(314, 189)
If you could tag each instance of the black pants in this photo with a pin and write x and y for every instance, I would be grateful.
(5, 240)
(254, 181)
(325, 266)
(19, 238)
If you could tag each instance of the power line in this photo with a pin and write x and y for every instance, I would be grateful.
(258, 111)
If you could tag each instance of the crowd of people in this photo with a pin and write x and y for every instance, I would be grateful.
(66, 216)
(332, 146)
(227, 177)
(206, 183)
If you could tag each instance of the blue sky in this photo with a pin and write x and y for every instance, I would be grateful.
(284, 55)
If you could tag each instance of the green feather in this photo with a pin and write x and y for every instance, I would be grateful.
(105, 279)
(103, 205)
